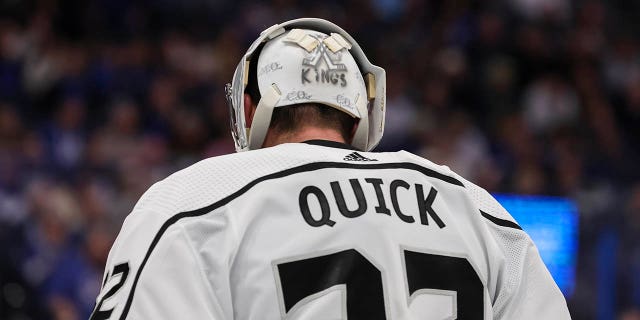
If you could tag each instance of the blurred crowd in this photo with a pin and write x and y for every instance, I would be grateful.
(99, 99)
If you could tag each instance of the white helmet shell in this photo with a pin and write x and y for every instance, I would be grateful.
(304, 69)
(309, 61)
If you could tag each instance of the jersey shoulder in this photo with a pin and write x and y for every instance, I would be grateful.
(487, 205)
(210, 180)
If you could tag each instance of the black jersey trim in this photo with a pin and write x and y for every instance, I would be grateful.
(330, 144)
(500, 222)
(280, 174)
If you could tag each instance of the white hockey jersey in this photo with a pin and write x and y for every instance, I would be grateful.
(317, 231)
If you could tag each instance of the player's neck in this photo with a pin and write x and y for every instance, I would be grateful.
(305, 134)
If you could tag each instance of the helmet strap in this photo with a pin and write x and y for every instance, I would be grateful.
(361, 137)
(262, 117)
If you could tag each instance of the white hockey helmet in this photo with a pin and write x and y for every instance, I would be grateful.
(308, 61)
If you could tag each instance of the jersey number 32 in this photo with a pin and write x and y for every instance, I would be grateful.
(425, 273)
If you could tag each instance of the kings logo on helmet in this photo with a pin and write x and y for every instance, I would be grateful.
(323, 66)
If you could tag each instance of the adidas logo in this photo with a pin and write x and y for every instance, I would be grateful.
(354, 156)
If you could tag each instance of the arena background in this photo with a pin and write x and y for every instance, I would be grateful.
(99, 99)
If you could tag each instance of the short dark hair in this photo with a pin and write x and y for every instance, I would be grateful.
(293, 118)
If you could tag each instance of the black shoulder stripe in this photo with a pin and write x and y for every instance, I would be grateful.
(501, 222)
(287, 172)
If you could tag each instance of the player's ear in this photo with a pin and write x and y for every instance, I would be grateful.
(249, 110)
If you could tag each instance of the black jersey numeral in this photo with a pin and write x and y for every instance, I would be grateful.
(363, 280)
(302, 278)
(122, 270)
(432, 271)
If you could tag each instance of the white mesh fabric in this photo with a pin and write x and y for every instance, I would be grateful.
(486, 202)
(514, 244)
(211, 179)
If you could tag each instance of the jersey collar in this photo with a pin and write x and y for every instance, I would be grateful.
(330, 144)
